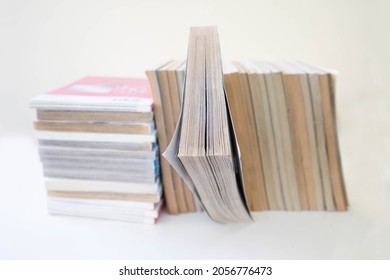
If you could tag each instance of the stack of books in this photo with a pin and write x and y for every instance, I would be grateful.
(285, 123)
(97, 144)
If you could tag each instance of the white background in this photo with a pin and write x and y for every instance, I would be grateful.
(47, 44)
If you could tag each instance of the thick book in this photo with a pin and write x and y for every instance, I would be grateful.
(204, 148)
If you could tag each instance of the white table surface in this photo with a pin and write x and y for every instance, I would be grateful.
(28, 232)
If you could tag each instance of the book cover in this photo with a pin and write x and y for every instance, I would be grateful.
(99, 93)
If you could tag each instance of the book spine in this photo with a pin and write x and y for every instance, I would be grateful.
(332, 144)
(312, 144)
(176, 86)
(169, 95)
(169, 191)
(301, 142)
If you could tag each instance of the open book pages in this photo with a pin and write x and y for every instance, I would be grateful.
(204, 148)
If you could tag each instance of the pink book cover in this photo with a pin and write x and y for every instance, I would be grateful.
(107, 86)
(99, 93)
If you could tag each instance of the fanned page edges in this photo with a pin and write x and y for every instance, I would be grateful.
(204, 149)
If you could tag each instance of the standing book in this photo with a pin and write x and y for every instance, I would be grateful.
(203, 148)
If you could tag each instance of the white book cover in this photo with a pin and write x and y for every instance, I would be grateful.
(118, 208)
(95, 137)
(108, 213)
(62, 184)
